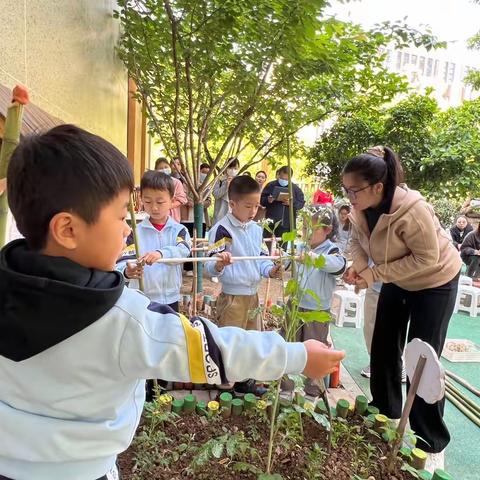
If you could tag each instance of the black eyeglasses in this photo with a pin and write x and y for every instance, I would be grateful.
(352, 194)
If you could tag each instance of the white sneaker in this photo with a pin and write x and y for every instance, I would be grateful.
(189, 273)
(435, 461)
(214, 279)
(366, 371)
(404, 374)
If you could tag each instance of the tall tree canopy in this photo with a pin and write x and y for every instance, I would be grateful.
(224, 78)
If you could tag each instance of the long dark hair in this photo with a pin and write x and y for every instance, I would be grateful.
(346, 226)
(378, 165)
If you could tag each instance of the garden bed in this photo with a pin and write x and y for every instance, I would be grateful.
(170, 446)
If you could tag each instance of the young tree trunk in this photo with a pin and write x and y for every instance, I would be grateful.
(198, 223)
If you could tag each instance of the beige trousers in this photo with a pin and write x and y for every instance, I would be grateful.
(369, 315)
(238, 311)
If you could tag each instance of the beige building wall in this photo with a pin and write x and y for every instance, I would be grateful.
(63, 50)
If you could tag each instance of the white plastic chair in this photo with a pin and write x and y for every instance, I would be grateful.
(350, 308)
(464, 280)
(465, 293)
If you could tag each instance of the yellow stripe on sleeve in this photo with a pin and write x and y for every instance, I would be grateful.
(195, 352)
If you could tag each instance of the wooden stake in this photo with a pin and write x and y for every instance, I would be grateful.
(235, 259)
(267, 289)
(417, 376)
(195, 270)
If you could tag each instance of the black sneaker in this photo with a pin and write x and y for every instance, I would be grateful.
(249, 386)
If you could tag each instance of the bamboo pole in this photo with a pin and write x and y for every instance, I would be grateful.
(234, 259)
(291, 212)
(269, 279)
(195, 260)
(131, 209)
(11, 138)
(462, 408)
(470, 404)
(463, 382)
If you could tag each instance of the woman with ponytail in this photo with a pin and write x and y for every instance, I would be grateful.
(419, 268)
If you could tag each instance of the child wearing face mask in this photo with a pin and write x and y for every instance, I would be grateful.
(220, 190)
(179, 196)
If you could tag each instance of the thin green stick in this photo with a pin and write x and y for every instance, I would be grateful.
(470, 404)
(131, 209)
(463, 382)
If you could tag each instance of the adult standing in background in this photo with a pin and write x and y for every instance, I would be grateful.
(470, 252)
(344, 227)
(460, 230)
(220, 190)
(278, 210)
(261, 178)
(419, 268)
(179, 195)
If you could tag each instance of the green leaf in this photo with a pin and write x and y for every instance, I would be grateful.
(314, 316)
(321, 420)
(289, 236)
(217, 449)
(291, 287)
(277, 311)
(319, 262)
(313, 294)
(267, 476)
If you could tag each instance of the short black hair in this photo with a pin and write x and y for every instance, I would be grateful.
(233, 162)
(326, 216)
(242, 185)
(262, 171)
(161, 160)
(284, 169)
(205, 165)
(157, 181)
(65, 169)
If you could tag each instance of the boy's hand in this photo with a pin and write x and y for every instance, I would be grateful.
(276, 271)
(133, 270)
(350, 276)
(320, 359)
(224, 259)
(151, 257)
(270, 199)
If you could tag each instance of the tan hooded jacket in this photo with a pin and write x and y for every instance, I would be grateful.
(408, 246)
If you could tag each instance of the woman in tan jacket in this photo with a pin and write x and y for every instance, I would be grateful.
(419, 268)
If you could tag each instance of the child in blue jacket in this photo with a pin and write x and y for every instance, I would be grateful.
(321, 281)
(75, 344)
(159, 236)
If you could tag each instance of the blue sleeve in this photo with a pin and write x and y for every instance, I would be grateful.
(335, 262)
(219, 240)
(181, 248)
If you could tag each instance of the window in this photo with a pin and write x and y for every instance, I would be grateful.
(435, 68)
(421, 65)
(451, 72)
(406, 58)
(429, 67)
(399, 60)
(414, 59)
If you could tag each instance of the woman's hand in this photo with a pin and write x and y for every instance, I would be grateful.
(350, 276)
(360, 283)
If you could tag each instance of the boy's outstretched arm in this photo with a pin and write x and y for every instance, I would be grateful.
(174, 348)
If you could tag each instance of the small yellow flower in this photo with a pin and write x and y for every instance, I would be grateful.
(262, 405)
(165, 399)
(309, 406)
(213, 406)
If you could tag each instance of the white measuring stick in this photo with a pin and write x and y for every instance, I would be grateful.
(216, 259)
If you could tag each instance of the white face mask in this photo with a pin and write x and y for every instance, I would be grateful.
(232, 172)
(202, 177)
(166, 170)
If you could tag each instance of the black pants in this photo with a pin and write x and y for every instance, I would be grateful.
(473, 262)
(429, 313)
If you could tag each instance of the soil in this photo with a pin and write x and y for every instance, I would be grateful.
(291, 456)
